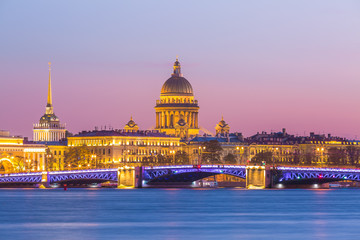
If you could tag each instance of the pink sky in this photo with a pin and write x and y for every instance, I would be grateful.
(263, 66)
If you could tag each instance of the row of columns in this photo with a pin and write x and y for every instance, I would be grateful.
(37, 160)
(168, 119)
(49, 136)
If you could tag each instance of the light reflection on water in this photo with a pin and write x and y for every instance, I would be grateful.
(179, 214)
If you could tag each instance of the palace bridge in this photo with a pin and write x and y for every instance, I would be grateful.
(185, 175)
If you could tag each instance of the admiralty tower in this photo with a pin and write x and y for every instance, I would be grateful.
(49, 128)
(177, 110)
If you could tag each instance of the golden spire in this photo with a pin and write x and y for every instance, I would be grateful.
(49, 107)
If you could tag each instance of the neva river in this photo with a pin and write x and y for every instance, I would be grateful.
(176, 214)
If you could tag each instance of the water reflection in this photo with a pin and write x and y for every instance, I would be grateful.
(179, 214)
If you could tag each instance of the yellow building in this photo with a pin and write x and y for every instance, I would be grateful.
(49, 128)
(177, 110)
(18, 156)
(55, 155)
(114, 147)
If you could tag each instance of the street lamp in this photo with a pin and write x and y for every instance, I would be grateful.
(48, 156)
(28, 162)
(201, 151)
(240, 151)
(172, 152)
(321, 152)
(93, 156)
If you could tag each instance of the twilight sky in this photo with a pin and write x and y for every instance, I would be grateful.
(264, 65)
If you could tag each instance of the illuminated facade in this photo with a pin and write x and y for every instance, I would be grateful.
(17, 155)
(124, 146)
(176, 129)
(49, 128)
(177, 110)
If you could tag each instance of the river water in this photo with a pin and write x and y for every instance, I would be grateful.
(175, 214)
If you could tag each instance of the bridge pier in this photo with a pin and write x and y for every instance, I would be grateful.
(130, 177)
(258, 177)
(45, 180)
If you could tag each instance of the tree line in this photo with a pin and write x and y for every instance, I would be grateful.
(333, 156)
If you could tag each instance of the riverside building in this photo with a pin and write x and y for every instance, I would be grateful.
(126, 146)
(17, 154)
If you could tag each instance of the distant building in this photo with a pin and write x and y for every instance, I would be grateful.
(222, 128)
(49, 128)
(131, 126)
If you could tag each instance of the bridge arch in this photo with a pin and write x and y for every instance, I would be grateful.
(317, 175)
(189, 174)
(6, 165)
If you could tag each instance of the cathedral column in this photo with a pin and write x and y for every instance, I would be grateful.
(196, 120)
(162, 120)
(175, 117)
(191, 120)
(168, 119)
(157, 120)
(172, 119)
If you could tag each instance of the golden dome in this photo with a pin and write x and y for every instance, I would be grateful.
(177, 84)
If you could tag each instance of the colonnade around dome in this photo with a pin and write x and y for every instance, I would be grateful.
(168, 119)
